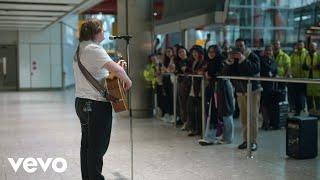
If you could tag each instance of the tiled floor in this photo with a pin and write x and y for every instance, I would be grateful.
(44, 124)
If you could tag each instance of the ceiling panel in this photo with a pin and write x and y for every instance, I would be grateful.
(27, 18)
(20, 28)
(24, 22)
(30, 13)
(45, 1)
(38, 7)
(39, 14)
(22, 25)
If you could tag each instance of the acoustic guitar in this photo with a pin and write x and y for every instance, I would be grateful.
(114, 87)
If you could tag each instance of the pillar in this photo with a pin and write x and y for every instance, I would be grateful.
(139, 27)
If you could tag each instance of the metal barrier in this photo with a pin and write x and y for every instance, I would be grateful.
(249, 91)
(249, 97)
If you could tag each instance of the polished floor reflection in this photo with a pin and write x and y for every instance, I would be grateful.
(44, 124)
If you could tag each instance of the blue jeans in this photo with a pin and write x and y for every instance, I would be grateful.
(210, 134)
(228, 129)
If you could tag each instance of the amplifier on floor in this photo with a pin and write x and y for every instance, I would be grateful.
(302, 137)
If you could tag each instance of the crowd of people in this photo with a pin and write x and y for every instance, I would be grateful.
(223, 97)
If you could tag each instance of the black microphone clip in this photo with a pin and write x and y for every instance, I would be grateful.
(126, 37)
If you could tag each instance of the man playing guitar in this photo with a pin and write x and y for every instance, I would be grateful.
(94, 110)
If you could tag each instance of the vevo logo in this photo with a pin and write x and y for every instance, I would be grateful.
(30, 165)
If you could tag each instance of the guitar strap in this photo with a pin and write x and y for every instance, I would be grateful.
(104, 93)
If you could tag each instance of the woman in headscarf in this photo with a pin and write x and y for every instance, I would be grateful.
(214, 67)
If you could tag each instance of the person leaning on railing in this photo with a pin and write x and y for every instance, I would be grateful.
(150, 76)
(281, 59)
(149, 72)
(312, 71)
(298, 90)
(159, 89)
(283, 64)
(167, 69)
(214, 67)
(183, 90)
(196, 66)
(268, 69)
(243, 62)
(226, 107)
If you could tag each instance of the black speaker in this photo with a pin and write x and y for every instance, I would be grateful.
(302, 137)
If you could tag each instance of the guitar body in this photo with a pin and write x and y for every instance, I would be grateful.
(114, 88)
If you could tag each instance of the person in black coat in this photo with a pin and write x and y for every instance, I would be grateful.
(196, 66)
(183, 85)
(214, 66)
(243, 62)
(167, 69)
(268, 69)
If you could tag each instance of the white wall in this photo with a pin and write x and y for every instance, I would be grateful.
(69, 45)
(50, 52)
(40, 63)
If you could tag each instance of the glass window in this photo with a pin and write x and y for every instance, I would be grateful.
(308, 2)
(264, 3)
(286, 20)
(295, 4)
(240, 2)
(271, 17)
(233, 32)
(317, 12)
(239, 16)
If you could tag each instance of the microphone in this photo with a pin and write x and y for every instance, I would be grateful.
(120, 37)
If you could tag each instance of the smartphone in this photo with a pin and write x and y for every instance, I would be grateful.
(235, 50)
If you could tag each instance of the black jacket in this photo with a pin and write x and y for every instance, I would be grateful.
(199, 66)
(214, 67)
(225, 98)
(268, 69)
(249, 67)
(181, 64)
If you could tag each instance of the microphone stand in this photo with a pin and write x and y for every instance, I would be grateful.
(127, 39)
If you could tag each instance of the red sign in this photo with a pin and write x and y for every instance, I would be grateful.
(105, 7)
(158, 9)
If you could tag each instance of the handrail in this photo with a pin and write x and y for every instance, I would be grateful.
(191, 75)
(275, 79)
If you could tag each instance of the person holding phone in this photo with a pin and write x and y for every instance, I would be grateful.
(243, 62)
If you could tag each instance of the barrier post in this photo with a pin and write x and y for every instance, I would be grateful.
(175, 100)
(249, 118)
(203, 108)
